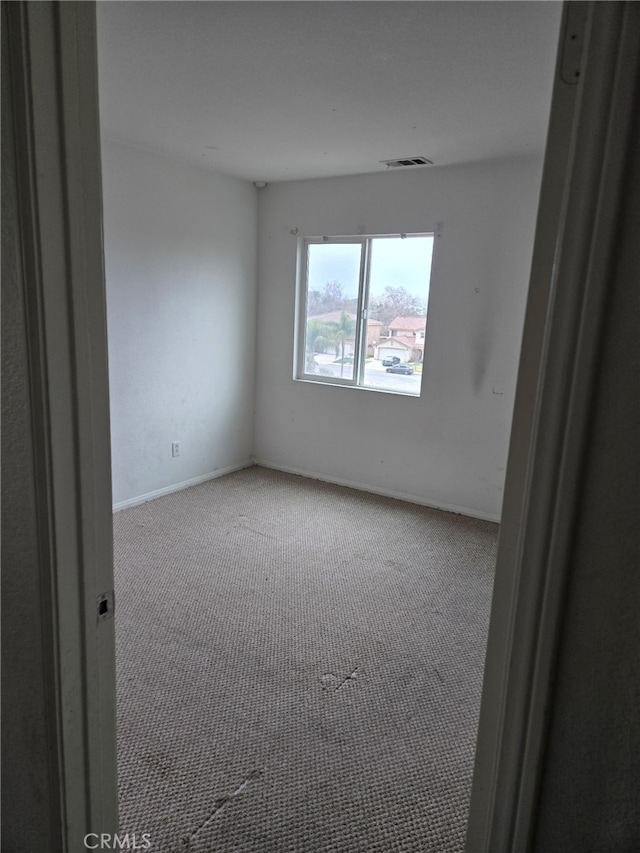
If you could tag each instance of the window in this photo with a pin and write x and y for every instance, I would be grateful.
(363, 311)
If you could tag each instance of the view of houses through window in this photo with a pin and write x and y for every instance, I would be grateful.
(365, 311)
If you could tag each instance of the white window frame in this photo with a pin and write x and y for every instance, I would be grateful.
(359, 356)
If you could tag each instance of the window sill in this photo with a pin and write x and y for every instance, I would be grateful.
(331, 383)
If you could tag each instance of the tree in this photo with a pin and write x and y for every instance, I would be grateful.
(333, 295)
(396, 302)
(314, 302)
(330, 298)
(318, 336)
(344, 331)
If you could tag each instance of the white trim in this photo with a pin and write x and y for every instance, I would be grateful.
(387, 493)
(360, 339)
(54, 89)
(492, 802)
(56, 45)
(185, 484)
(583, 199)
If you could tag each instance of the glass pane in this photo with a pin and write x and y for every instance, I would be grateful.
(332, 301)
(397, 312)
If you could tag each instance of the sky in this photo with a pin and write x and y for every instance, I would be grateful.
(394, 262)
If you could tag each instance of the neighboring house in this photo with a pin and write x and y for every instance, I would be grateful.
(374, 331)
(409, 327)
(405, 340)
(374, 328)
(407, 349)
(332, 317)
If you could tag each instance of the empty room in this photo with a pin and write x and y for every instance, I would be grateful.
(318, 229)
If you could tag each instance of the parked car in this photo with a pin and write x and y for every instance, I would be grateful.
(400, 368)
(389, 362)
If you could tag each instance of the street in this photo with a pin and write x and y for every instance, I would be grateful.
(375, 374)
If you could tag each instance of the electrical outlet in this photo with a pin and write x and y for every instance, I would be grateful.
(175, 448)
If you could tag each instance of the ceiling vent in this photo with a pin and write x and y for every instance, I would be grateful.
(407, 161)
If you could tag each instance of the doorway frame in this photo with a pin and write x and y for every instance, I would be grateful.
(53, 82)
(596, 89)
(55, 94)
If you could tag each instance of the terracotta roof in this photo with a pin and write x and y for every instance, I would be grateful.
(410, 342)
(411, 323)
(332, 316)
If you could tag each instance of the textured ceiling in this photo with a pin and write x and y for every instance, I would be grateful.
(282, 90)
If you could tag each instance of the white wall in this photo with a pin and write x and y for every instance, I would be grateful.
(448, 447)
(180, 256)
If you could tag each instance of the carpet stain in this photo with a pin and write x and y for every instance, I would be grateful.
(349, 678)
(257, 532)
(218, 806)
(332, 682)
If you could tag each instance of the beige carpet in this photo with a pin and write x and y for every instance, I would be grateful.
(299, 668)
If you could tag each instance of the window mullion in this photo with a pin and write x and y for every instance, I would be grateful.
(358, 330)
(363, 301)
(301, 343)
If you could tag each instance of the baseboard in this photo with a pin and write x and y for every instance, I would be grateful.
(312, 475)
(387, 493)
(186, 484)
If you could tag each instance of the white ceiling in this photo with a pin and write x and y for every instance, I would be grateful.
(282, 90)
